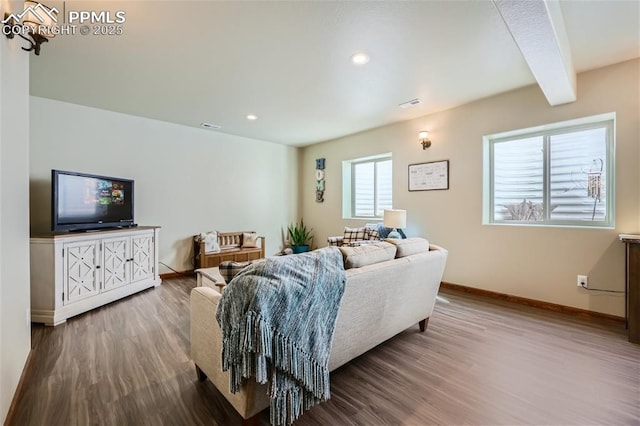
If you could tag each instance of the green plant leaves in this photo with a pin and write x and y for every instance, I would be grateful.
(299, 235)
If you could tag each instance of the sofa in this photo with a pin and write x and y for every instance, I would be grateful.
(390, 286)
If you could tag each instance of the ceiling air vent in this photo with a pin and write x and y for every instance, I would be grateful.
(411, 103)
(210, 126)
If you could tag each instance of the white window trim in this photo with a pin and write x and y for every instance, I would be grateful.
(547, 129)
(347, 184)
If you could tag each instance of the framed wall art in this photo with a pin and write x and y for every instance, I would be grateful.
(429, 176)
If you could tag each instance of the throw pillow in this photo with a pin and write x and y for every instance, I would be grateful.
(372, 231)
(353, 234)
(249, 240)
(356, 257)
(210, 241)
(335, 241)
(410, 246)
(372, 234)
(229, 269)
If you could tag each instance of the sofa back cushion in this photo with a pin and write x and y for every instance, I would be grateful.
(356, 257)
(409, 246)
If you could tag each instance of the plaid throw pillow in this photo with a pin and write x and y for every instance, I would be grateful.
(335, 241)
(372, 234)
(353, 234)
(229, 269)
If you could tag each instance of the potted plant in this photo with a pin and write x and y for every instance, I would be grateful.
(299, 237)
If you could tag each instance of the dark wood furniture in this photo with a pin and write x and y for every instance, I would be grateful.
(632, 293)
(231, 249)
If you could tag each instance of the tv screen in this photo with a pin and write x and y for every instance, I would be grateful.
(82, 201)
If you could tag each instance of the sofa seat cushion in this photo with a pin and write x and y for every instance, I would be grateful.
(409, 246)
(356, 257)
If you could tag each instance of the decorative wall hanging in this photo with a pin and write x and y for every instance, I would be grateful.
(429, 176)
(320, 180)
(594, 183)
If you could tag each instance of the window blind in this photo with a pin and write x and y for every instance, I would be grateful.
(372, 187)
(558, 176)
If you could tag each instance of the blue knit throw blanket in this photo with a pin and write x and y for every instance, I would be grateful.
(277, 319)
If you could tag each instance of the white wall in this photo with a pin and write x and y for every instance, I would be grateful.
(15, 328)
(533, 262)
(187, 180)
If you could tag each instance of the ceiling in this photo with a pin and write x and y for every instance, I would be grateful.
(288, 62)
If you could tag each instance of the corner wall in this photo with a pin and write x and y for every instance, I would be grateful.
(187, 180)
(15, 325)
(532, 262)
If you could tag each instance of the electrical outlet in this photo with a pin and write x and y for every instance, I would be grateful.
(583, 281)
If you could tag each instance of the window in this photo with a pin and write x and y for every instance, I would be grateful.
(557, 175)
(367, 186)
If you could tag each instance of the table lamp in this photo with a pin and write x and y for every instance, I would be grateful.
(396, 219)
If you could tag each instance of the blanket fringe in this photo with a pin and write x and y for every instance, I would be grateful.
(277, 319)
(254, 341)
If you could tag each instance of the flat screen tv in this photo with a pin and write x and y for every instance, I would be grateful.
(81, 201)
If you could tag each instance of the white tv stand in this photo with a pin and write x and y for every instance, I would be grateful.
(72, 273)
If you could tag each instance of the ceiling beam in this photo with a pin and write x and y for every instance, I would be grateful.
(537, 26)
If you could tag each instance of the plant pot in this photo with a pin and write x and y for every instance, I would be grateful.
(299, 249)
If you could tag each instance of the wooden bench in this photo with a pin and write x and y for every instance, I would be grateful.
(230, 249)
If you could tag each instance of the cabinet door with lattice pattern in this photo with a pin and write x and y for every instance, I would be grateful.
(81, 275)
(142, 250)
(115, 262)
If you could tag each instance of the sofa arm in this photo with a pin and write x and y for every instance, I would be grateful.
(206, 336)
(206, 352)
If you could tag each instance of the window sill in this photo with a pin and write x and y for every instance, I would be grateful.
(549, 225)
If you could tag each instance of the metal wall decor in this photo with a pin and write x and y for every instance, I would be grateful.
(320, 180)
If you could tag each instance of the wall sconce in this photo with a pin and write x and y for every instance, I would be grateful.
(423, 137)
(36, 24)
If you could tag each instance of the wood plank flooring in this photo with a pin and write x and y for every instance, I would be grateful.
(480, 362)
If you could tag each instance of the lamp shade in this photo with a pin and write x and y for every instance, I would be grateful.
(396, 219)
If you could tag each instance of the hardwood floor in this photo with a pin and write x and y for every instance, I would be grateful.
(480, 362)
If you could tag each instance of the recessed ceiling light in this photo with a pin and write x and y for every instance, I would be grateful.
(210, 126)
(359, 58)
(252, 117)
